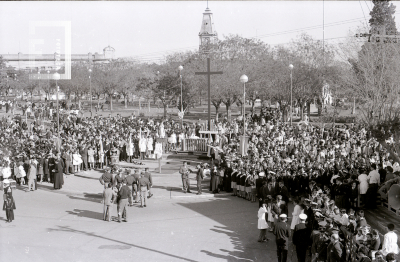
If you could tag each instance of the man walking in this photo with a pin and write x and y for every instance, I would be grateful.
(143, 184)
(301, 238)
(123, 195)
(282, 233)
(147, 174)
(184, 171)
(109, 197)
(199, 178)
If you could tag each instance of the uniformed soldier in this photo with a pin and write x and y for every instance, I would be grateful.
(301, 237)
(282, 233)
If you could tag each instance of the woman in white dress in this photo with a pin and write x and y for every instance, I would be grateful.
(363, 179)
(149, 145)
(91, 153)
(76, 161)
(130, 148)
(296, 212)
(262, 223)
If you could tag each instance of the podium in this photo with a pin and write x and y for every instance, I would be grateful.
(244, 144)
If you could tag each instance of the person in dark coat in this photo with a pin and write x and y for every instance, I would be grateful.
(199, 178)
(282, 233)
(46, 171)
(9, 206)
(228, 178)
(283, 191)
(51, 163)
(58, 172)
(268, 190)
(301, 237)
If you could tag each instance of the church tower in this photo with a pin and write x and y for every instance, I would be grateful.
(207, 35)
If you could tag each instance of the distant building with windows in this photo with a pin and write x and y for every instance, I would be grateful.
(46, 62)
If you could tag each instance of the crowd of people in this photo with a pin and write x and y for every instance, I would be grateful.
(323, 170)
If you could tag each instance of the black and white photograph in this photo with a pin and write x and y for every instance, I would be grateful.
(200, 131)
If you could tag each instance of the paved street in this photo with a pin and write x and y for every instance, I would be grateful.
(66, 225)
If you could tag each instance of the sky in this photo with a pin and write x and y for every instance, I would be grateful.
(149, 30)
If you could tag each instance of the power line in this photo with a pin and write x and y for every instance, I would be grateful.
(362, 9)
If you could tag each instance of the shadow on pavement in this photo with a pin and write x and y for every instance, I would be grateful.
(96, 198)
(71, 230)
(240, 227)
(86, 213)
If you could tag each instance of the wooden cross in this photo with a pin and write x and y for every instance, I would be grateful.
(209, 73)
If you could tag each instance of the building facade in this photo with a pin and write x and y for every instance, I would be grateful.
(46, 62)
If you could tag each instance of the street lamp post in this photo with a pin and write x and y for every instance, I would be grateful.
(48, 78)
(291, 93)
(56, 77)
(40, 98)
(244, 79)
(90, 88)
(180, 75)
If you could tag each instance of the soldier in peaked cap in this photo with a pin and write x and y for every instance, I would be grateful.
(282, 233)
(301, 238)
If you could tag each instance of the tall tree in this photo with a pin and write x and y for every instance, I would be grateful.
(382, 17)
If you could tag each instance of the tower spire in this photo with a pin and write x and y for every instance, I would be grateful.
(208, 35)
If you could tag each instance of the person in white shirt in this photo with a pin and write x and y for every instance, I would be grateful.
(363, 179)
(389, 244)
(374, 181)
(262, 223)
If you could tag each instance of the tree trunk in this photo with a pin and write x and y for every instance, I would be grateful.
(228, 112)
(140, 106)
(111, 104)
(148, 100)
(301, 111)
(126, 105)
(165, 109)
(216, 113)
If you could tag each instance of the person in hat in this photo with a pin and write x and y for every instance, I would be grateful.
(9, 206)
(282, 234)
(301, 237)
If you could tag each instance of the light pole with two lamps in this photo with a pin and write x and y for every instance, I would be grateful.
(291, 93)
(48, 83)
(244, 79)
(90, 88)
(181, 114)
(56, 77)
